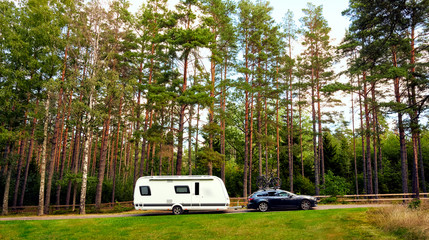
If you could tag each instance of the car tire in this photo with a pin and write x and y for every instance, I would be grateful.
(177, 210)
(305, 205)
(263, 207)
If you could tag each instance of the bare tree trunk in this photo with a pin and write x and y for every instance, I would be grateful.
(74, 160)
(181, 123)
(249, 188)
(375, 134)
(116, 149)
(190, 140)
(259, 119)
(5, 205)
(368, 138)
(320, 134)
(19, 168)
(43, 161)
(277, 127)
(403, 147)
(29, 157)
(315, 153)
(102, 167)
(64, 150)
(222, 122)
(422, 169)
(362, 127)
(6, 192)
(87, 146)
(354, 144)
(246, 120)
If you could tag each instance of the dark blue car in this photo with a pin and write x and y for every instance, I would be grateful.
(264, 200)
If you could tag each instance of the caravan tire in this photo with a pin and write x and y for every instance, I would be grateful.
(177, 210)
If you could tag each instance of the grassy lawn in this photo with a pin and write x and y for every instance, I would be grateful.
(325, 224)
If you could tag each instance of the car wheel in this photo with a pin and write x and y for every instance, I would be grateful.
(305, 205)
(263, 207)
(177, 210)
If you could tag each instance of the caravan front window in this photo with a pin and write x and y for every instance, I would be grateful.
(181, 189)
(145, 190)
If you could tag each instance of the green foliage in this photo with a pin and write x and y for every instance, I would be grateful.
(335, 185)
(415, 204)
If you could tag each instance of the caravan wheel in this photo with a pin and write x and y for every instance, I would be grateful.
(177, 210)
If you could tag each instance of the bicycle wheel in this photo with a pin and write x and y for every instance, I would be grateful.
(261, 182)
(275, 182)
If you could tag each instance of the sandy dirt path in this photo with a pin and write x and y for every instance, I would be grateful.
(157, 213)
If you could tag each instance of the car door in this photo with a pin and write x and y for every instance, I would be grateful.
(287, 200)
(275, 200)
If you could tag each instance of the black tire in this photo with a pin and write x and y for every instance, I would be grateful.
(177, 210)
(263, 207)
(305, 205)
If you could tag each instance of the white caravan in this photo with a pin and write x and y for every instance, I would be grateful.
(180, 193)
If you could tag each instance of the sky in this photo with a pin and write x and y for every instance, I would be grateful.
(331, 12)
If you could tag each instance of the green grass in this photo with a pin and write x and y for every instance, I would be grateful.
(325, 224)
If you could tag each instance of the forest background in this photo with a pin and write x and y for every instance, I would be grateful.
(93, 96)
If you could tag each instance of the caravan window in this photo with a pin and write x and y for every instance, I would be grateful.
(145, 190)
(181, 189)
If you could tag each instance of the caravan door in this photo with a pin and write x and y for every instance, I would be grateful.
(196, 196)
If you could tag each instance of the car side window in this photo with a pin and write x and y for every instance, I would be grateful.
(283, 194)
(271, 193)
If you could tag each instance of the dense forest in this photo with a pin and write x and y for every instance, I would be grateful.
(93, 96)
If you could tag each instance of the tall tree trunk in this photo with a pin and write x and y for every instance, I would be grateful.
(415, 129)
(136, 147)
(375, 134)
(116, 149)
(368, 138)
(259, 119)
(354, 145)
(103, 154)
(191, 109)
(54, 140)
(5, 205)
(422, 169)
(300, 128)
(6, 192)
(181, 122)
(43, 161)
(64, 151)
(315, 153)
(266, 134)
(74, 160)
(249, 188)
(19, 168)
(277, 125)
(211, 110)
(362, 127)
(246, 121)
(29, 157)
(320, 134)
(87, 146)
(222, 121)
(403, 147)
